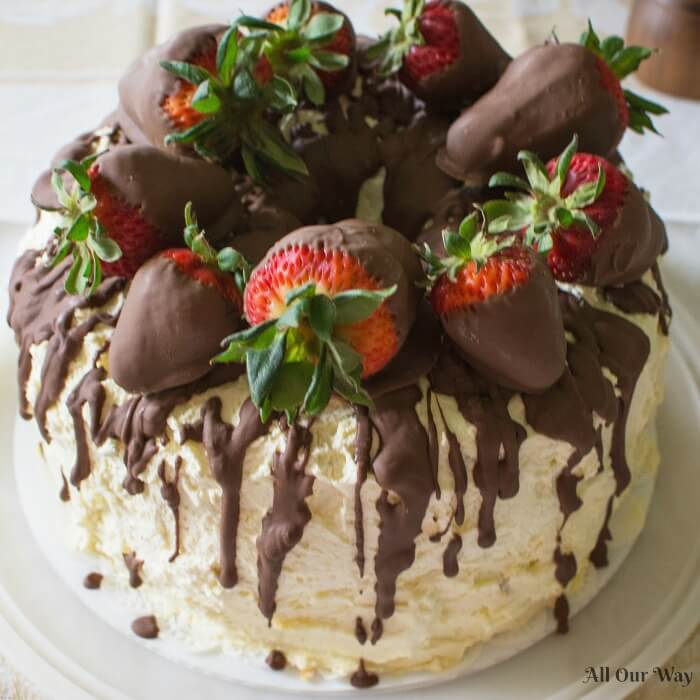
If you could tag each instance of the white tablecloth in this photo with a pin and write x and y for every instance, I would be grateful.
(60, 59)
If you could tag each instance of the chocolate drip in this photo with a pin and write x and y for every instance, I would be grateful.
(404, 471)
(634, 298)
(362, 678)
(561, 614)
(92, 581)
(276, 660)
(64, 493)
(283, 524)
(171, 495)
(599, 555)
(64, 346)
(226, 448)
(145, 627)
(377, 630)
(40, 309)
(450, 566)
(139, 421)
(91, 392)
(666, 312)
(363, 444)
(134, 565)
(457, 467)
(360, 631)
(565, 565)
(433, 444)
(484, 405)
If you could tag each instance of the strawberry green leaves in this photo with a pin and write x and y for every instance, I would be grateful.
(298, 47)
(234, 108)
(391, 48)
(540, 209)
(622, 61)
(469, 243)
(296, 362)
(227, 259)
(80, 235)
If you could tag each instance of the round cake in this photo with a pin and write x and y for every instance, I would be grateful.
(344, 351)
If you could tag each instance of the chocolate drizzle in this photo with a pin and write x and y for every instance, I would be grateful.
(362, 678)
(64, 493)
(363, 444)
(599, 555)
(403, 469)
(276, 660)
(666, 312)
(561, 613)
(283, 524)
(145, 627)
(360, 631)
(134, 566)
(171, 495)
(450, 566)
(92, 581)
(40, 310)
(226, 448)
(498, 436)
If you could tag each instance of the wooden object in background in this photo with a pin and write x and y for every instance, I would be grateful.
(673, 27)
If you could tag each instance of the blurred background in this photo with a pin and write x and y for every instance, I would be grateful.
(60, 61)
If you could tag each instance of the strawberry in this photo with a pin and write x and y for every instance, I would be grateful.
(115, 216)
(328, 306)
(222, 102)
(178, 105)
(544, 96)
(160, 323)
(583, 213)
(311, 44)
(498, 304)
(441, 51)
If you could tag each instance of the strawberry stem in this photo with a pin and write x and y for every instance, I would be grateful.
(541, 209)
(393, 46)
(622, 61)
(80, 234)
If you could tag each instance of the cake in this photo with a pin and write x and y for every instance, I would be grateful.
(345, 351)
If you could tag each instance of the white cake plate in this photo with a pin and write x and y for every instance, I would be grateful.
(646, 611)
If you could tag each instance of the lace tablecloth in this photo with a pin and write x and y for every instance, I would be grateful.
(60, 59)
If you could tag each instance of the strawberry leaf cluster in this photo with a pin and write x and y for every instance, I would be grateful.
(226, 260)
(537, 206)
(393, 46)
(622, 61)
(80, 234)
(469, 243)
(236, 108)
(296, 48)
(295, 362)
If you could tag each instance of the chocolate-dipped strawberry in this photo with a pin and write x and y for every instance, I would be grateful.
(199, 92)
(179, 307)
(310, 44)
(328, 306)
(442, 52)
(584, 214)
(118, 213)
(498, 304)
(413, 181)
(545, 96)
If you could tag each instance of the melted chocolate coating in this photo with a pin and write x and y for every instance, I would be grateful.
(384, 253)
(480, 64)
(539, 113)
(515, 339)
(630, 247)
(146, 84)
(160, 340)
(161, 183)
(413, 181)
